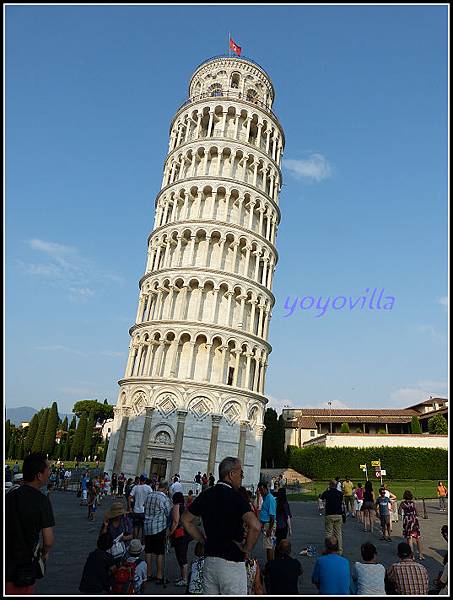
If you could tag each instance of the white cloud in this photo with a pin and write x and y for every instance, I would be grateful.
(60, 348)
(316, 167)
(66, 269)
(112, 354)
(279, 404)
(444, 301)
(418, 392)
(435, 335)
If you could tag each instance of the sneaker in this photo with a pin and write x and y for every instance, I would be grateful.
(181, 583)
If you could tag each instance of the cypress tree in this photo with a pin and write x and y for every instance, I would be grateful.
(31, 433)
(73, 424)
(106, 447)
(89, 435)
(67, 449)
(415, 425)
(39, 438)
(51, 430)
(79, 437)
(64, 424)
(20, 451)
(7, 433)
(12, 446)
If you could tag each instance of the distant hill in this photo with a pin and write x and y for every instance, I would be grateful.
(22, 413)
(25, 413)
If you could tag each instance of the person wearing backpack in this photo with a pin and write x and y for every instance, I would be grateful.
(97, 573)
(129, 577)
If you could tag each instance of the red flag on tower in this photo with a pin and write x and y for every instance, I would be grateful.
(233, 46)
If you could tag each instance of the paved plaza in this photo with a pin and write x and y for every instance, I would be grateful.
(75, 537)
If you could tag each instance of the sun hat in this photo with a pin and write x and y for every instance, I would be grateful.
(135, 548)
(116, 510)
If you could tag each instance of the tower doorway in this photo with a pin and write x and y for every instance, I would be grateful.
(159, 466)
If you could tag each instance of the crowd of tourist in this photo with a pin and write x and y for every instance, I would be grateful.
(226, 522)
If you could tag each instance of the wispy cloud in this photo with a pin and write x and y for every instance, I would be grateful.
(65, 268)
(279, 404)
(60, 348)
(443, 300)
(418, 392)
(314, 168)
(112, 354)
(435, 335)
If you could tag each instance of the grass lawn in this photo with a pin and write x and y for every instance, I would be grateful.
(425, 488)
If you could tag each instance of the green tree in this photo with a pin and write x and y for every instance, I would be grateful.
(102, 412)
(271, 439)
(438, 425)
(73, 425)
(79, 436)
(89, 435)
(344, 428)
(415, 425)
(32, 431)
(64, 424)
(39, 438)
(7, 433)
(51, 430)
(106, 447)
(11, 451)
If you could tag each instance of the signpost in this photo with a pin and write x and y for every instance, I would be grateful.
(365, 470)
(379, 471)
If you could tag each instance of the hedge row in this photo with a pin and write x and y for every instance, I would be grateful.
(318, 462)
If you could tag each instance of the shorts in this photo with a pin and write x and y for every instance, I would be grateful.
(268, 541)
(138, 519)
(367, 505)
(155, 544)
(385, 520)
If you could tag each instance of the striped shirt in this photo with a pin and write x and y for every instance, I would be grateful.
(157, 509)
(409, 577)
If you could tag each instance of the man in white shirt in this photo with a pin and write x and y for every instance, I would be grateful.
(139, 494)
(67, 479)
(176, 486)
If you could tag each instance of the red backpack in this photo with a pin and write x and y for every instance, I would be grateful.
(123, 582)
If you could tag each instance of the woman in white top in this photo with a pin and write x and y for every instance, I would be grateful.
(369, 577)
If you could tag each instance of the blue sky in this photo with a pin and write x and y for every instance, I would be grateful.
(361, 92)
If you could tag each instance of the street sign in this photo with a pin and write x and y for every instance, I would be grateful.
(383, 472)
(375, 463)
(363, 466)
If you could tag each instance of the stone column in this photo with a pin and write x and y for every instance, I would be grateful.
(211, 117)
(130, 361)
(208, 356)
(141, 303)
(224, 351)
(247, 370)
(176, 462)
(236, 367)
(175, 346)
(251, 206)
(121, 441)
(252, 316)
(242, 440)
(145, 439)
(214, 304)
(189, 365)
(213, 445)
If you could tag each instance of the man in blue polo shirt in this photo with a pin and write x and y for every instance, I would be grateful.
(268, 519)
(332, 575)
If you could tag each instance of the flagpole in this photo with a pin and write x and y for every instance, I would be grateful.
(229, 47)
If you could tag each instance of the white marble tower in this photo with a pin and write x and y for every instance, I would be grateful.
(193, 390)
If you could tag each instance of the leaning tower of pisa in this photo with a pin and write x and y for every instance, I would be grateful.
(193, 389)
